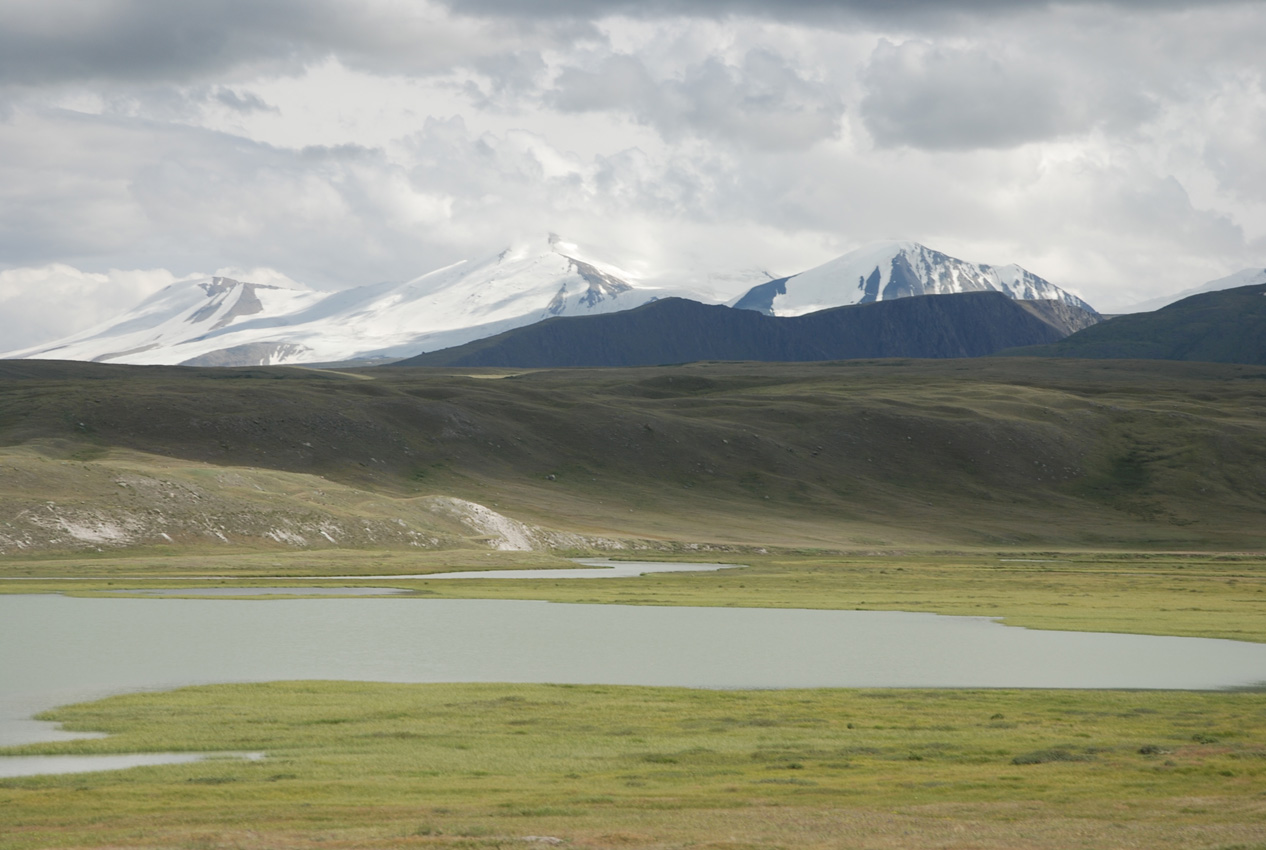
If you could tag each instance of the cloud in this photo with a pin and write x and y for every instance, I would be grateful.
(92, 190)
(950, 98)
(760, 100)
(49, 302)
(144, 42)
(56, 40)
(1233, 154)
(1106, 144)
(244, 102)
(907, 11)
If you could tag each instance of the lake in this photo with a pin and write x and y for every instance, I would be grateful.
(57, 649)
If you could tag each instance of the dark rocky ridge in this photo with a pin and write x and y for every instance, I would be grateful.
(676, 330)
(1228, 326)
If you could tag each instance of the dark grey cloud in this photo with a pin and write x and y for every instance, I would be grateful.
(134, 40)
(148, 41)
(244, 102)
(910, 11)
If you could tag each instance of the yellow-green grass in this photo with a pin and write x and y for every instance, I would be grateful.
(1193, 595)
(480, 765)
(206, 563)
(1188, 595)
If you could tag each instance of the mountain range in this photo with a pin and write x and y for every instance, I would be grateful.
(219, 321)
(225, 322)
(676, 330)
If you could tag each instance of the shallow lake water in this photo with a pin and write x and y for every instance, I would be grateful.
(56, 649)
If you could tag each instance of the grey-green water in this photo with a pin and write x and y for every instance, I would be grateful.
(56, 649)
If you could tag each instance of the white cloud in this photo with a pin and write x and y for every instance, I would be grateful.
(49, 302)
(1113, 147)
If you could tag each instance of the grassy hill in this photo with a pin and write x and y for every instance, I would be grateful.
(1228, 326)
(856, 454)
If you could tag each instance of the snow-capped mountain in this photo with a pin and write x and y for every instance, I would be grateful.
(223, 322)
(1246, 277)
(179, 314)
(887, 270)
(218, 321)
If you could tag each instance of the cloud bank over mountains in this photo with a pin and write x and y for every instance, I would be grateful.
(1114, 148)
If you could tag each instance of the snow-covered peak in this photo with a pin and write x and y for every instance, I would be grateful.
(885, 270)
(183, 310)
(226, 322)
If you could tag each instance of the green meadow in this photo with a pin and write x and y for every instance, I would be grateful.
(374, 765)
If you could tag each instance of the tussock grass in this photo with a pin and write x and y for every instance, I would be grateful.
(435, 765)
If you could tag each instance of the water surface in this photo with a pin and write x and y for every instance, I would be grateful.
(56, 650)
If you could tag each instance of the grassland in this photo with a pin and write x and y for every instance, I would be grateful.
(1003, 453)
(1193, 595)
(1110, 496)
(353, 765)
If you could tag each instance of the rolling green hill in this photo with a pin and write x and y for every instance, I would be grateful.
(1228, 326)
(864, 453)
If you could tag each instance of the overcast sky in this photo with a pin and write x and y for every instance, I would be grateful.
(1116, 148)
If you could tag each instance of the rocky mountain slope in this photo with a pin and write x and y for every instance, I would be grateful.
(887, 270)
